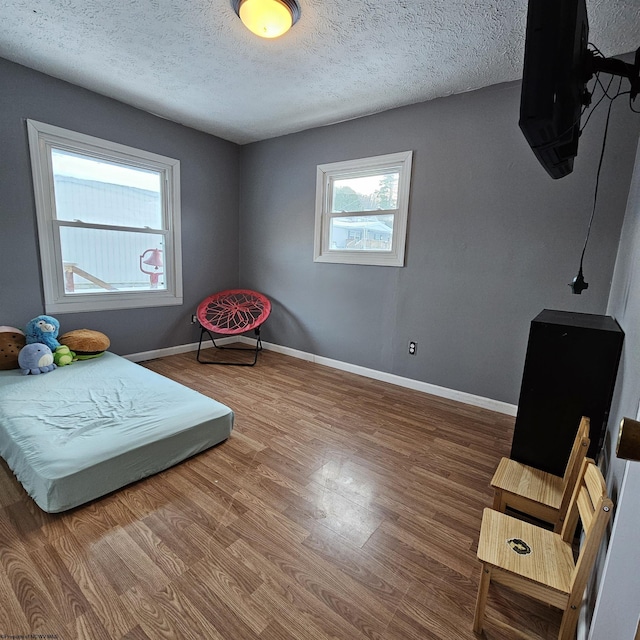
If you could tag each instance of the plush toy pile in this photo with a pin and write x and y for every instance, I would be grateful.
(38, 349)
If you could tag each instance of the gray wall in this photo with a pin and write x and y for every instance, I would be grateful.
(210, 182)
(492, 240)
(624, 304)
(619, 605)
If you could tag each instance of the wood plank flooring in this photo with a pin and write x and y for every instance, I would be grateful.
(341, 507)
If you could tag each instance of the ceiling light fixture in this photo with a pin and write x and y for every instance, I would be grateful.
(267, 18)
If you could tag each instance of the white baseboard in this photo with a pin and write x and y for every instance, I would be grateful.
(409, 383)
(172, 351)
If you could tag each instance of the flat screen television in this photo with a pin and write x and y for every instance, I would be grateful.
(554, 79)
(557, 67)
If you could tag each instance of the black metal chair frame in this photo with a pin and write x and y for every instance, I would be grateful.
(257, 349)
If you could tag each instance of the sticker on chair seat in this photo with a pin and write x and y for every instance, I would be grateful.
(519, 546)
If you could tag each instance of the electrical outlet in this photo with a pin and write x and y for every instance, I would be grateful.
(413, 347)
(194, 319)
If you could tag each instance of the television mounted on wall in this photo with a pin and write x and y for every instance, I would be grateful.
(558, 65)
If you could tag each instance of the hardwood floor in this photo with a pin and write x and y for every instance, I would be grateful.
(341, 507)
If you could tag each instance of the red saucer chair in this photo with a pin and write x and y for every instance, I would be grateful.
(232, 313)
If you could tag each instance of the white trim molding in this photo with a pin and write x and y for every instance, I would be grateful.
(408, 383)
(47, 141)
(326, 215)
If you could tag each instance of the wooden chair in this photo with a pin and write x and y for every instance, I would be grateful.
(540, 563)
(537, 493)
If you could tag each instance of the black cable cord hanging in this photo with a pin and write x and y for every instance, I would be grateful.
(597, 104)
(578, 284)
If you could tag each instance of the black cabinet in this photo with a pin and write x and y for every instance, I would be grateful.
(570, 371)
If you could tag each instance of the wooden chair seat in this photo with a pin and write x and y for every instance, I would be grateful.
(549, 561)
(537, 493)
(521, 485)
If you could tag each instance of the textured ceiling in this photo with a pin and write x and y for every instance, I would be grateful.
(194, 62)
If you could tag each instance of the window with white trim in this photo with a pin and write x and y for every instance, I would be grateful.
(361, 210)
(108, 222)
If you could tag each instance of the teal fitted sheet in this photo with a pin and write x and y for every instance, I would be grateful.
(89, 428)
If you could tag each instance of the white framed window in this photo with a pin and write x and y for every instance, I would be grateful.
(361, 210)
(108, 222)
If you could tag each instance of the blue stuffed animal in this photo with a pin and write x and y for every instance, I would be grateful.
(43, 329)
(36, 358)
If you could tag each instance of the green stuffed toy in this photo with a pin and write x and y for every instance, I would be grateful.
(63, 355)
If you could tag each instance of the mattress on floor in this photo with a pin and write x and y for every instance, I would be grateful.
(91, 427)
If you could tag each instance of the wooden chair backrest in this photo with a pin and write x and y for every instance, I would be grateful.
(578, 453)
(591, 505)
(576, 457)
